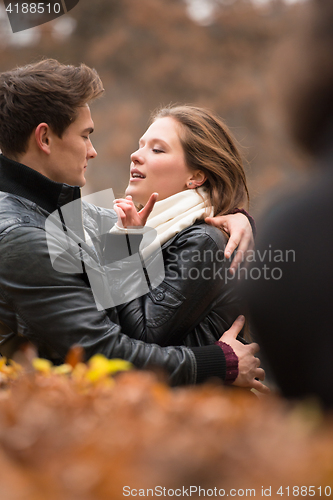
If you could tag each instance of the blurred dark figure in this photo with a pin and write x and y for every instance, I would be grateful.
(292, 309)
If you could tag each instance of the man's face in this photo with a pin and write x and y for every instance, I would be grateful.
(69, 155)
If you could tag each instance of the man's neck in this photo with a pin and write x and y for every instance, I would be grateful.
(32, 160)
(21, 180)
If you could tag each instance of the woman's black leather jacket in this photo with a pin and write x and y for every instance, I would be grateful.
(196, 303)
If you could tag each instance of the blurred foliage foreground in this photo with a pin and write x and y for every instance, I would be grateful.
(79, 432)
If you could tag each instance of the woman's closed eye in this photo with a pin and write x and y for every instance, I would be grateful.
(155, 150)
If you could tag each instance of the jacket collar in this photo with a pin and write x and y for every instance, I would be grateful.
(20, 180)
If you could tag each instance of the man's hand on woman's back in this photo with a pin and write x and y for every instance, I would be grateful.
(249, 372)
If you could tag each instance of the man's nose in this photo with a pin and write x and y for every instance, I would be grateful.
(92, 153)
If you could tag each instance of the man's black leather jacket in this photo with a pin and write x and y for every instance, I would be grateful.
(55, 310)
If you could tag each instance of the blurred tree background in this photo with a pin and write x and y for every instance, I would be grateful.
(215, 53)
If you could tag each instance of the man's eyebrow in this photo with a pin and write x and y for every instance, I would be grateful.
(89, 130)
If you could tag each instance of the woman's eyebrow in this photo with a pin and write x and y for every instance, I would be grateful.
(143, 140)
(158, 139)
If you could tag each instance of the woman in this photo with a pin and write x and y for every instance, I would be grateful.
(189, 158)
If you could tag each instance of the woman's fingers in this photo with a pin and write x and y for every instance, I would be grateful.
(146, 211)
(133, 217)
(124, 202)
(124, 206)
(126, 212)
(121, 216)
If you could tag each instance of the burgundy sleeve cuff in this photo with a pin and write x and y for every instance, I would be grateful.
(251, 219)
(231, 362)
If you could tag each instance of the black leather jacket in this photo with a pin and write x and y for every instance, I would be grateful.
(196, 302)
(55, 310)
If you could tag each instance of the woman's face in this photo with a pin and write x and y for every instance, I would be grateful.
(159, 163)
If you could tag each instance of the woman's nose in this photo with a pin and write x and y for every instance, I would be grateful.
(136, 157)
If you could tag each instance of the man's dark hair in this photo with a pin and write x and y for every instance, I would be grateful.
(46, 91)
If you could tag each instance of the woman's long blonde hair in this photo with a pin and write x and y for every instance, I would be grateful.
(209, 146)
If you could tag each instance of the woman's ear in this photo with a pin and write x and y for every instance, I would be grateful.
(43, 137)
(198, 178)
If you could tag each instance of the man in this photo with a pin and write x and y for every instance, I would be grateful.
(45, 127)
(293, 312)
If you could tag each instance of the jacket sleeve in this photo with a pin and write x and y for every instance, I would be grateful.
(196, 276)
(56, 310)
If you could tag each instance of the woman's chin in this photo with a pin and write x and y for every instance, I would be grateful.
(129, 191)
(135, 197)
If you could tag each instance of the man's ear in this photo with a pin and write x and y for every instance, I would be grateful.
(198, 178)
(43, 137)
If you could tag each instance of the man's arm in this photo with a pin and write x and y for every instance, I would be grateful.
(56, 310)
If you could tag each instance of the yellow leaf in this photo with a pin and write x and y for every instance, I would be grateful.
(64, 369)
(100, 367)
(119, 365)
(42, 365)
(97, 360)
(3, 362)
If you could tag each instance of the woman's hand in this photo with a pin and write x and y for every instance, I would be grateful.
(249, 371)
(241, 236)
(128, 216)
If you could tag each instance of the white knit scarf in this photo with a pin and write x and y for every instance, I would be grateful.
(173, 214)
(169, 217)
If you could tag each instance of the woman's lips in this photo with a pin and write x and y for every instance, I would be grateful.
(136, 174)
(133, 179)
